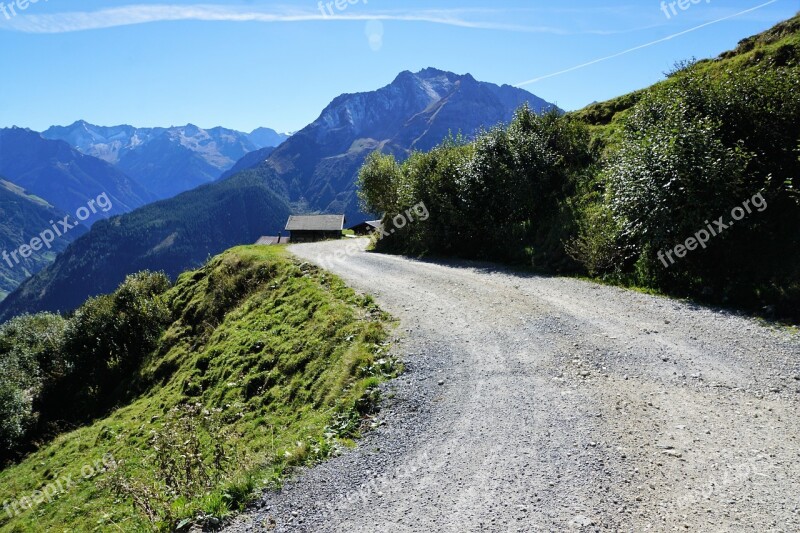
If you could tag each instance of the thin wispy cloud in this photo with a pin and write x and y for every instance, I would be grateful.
(150, 13)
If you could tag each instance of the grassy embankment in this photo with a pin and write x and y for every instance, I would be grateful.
(285, 358)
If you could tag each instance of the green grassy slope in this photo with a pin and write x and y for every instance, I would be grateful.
(774, 47)
(287, 353)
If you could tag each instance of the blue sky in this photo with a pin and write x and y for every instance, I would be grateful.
(249, 63)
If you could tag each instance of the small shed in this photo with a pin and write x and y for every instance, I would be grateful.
(366, 228)
(315, 228)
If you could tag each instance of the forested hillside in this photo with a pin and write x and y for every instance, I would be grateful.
(23, 217)
(169, 236)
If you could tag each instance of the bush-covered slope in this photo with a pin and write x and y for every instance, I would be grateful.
(264, 362)
(689, 187)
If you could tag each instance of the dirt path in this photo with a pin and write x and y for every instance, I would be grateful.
(547, 404)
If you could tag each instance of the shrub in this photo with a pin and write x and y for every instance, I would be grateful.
(107, 340)
(57, 372)
(693, 150)
(597, 246)
(31, 360)
(500, 197)
(378, 181)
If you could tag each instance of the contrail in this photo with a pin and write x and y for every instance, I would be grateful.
(634, 49)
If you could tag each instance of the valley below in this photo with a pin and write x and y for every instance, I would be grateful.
(538, 404)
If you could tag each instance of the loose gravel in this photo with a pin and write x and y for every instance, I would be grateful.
(549, 404)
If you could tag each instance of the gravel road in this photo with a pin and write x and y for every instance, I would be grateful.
(550, 404)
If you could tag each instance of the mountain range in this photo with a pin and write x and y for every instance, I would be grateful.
(63, 176)
(315, 170)
(65, 168)
(166, 161)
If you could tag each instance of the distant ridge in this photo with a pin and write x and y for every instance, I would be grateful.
(166, 161)
(63, 176)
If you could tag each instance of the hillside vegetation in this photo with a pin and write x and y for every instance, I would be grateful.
(688, 187)
(24, 216)
(157, 406)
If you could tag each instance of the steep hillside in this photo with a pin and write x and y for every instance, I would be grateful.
(64, 177)
(22, 218)
(258, 362)
(776, 47)
(171, 235)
